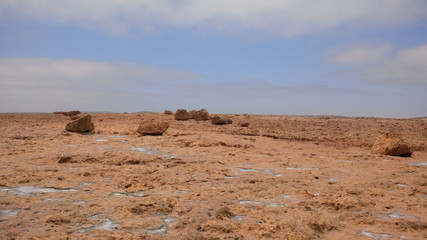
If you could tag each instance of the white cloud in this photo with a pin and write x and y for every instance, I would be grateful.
(277, 17)
(408, 66)
(40, 84)
(361, 54)
(386, 64)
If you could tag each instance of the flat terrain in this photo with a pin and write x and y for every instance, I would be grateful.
(282, 177)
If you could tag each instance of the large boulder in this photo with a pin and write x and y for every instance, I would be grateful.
(391, 144)
(152, 128)
(181, 114)
(201, 115)
(81, 125)
(218, 120)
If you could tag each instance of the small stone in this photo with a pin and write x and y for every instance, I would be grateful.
(81, 125)
(244, 124)
(152, 128)
(167, 112)
(391, 144)
(64, 159)
(181, 114)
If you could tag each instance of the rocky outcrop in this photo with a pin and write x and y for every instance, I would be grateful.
(152, 128)
(81, 125)
(218, 120)
(201, 115)
(181, 114)
(391, 144)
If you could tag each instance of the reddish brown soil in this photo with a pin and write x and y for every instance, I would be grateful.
(282, 177)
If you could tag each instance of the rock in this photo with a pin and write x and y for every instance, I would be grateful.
(81, 125)
(64, 159)
(244, 124)
(75, 117)
(167, 112)
(201, 115)
(191, 114)
(181, 114)
(217, 120)
(152, 128)
(71, 113)
(58, 113)
(391, 144)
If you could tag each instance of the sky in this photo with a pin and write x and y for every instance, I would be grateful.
(282, 57)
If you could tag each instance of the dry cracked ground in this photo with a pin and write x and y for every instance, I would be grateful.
(282, 177)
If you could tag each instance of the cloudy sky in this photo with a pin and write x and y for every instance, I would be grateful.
(304, 57)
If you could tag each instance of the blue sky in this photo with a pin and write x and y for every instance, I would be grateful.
(304, 57)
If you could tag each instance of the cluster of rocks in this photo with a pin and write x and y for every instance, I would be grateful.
(199, 115)
(386, 144)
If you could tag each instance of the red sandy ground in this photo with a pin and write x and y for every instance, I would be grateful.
(283, 177)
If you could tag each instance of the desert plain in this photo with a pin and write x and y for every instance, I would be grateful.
(275, 177)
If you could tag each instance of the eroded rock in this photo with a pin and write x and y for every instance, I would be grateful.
(181, 114)
(81, 125)
(391, 144)
(218, 120)
(167, 112)
(152, 128)
(201, 115)
(244, 124)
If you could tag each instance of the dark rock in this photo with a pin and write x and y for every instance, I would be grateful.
(218, 120)
(201, 115)
(64, 159)
(81, 125)
(71, 113)
(181, 114)
(244, 124)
